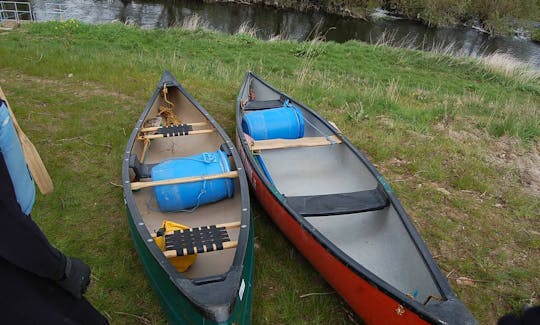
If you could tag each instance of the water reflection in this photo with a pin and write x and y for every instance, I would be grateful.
(228, 18)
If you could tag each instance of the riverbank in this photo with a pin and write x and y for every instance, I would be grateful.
(508, 17)
(457, 140)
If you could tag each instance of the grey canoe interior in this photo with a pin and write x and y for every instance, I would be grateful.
(224, 211)
(376, 239)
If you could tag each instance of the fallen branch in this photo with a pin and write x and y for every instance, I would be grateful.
(317, 294)
(108, 146)
(114, 184)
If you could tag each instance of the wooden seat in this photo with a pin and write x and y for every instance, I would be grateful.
(171, 131)
(158, 128)
(198, 240)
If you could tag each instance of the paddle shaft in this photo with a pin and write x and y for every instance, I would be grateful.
(31, 155)
(191, 179)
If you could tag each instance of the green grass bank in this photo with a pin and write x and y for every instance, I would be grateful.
(456, 138)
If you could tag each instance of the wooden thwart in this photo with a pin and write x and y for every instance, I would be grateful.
(191, 179)
(291, 143)
(199, 240)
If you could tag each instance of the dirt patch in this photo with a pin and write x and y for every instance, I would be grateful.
(8, 25)
(463, 136)
(84, 89)
(530, 170)
(510, 153)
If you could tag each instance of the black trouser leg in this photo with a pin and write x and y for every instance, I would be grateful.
(29, 299)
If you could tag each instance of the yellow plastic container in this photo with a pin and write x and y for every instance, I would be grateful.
(181, 263)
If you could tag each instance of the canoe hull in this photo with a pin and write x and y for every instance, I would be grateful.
(346, 221)
(365, 299)
(217, 287)
(177, 308)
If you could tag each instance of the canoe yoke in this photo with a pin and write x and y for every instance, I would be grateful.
(198, 240)
(340, 203)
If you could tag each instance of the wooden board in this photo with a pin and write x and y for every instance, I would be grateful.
(291, 143)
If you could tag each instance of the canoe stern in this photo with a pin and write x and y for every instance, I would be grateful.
(223, 306)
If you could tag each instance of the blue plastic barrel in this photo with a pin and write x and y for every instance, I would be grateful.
(11, 149)
(284, 122)
(186, 196)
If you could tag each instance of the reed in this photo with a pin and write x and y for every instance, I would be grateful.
(511, 67)
(193, 22)
(277, 37)
(247, 29)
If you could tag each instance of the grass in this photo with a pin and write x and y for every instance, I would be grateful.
(456, 139)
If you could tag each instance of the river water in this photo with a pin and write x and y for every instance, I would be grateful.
(289, 24)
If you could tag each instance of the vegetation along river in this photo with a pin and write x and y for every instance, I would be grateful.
(289, 24)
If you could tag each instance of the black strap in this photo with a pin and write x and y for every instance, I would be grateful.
(140, 170)
(205, 238)
(175, 130)
(160, 232)
(225, 148)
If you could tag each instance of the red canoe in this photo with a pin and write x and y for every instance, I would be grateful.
(339, 212)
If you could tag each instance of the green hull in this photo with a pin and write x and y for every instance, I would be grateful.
(177, 307)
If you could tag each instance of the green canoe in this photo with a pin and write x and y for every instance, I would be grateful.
(180, 167)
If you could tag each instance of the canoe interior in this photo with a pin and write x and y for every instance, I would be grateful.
(224, 211)
(377, 240)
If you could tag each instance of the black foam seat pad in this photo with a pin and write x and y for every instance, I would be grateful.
(340, 203)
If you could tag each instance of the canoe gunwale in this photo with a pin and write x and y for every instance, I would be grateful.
(440, 281)
(192, 289)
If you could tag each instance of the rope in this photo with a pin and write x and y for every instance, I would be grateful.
(166, 111)
(327, 136)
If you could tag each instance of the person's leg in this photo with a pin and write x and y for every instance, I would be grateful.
(531, 315)
(28, 299)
